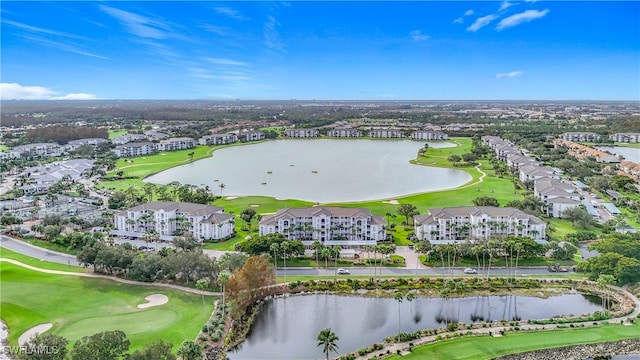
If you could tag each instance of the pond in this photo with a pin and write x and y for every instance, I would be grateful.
(286, 328)
(629, 153)
(318, 170)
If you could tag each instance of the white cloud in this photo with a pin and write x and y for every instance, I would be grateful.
(468, 12)
(271, 36)
(137, 24)
(459, 20)
(505, 5)
(14, 91)
(227, 11)
(417, 35)
(481, 22)
(34, 29)
(523, 17)
(509, 75)
(221, 61)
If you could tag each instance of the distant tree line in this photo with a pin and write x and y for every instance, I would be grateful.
(64, 134)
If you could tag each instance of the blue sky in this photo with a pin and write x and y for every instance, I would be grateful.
(321, 50)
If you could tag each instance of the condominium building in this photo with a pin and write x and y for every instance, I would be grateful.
(38, 149)
(251, 136)
(429, 135)
(135, 149)
(347, 227)
(218, 139)
(345, 132)
(93, 142)
(127, 138)
(168, 219)
(386, 133)
(581, 136)
(301, 133)
(172, 144)
(625, 137)
(457, 224)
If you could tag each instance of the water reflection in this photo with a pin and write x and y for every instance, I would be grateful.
(286, 328)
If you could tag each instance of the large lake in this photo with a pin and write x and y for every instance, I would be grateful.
(318, 170)
(629, 153)
(286, 328)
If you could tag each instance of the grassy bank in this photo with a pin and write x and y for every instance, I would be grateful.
(480, 348)
(83, 306)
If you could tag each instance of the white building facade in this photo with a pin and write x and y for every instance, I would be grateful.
(347, 227)
(168, 219)
(459, 224)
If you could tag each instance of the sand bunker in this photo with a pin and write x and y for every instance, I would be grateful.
(254, 205)
(392, 202)
(231, 197)
(154, 300)
(38, 329)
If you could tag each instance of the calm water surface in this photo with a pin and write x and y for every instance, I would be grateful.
(319, 170)
(286, 328)
(631, 154)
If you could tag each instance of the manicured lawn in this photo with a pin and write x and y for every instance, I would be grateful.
(477, 348)
(82, 306)
(115, 133)
(8, 254)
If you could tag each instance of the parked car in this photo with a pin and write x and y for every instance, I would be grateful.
(342, 271)
(470, 271)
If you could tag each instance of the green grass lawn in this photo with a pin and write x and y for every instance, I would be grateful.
(479, 348)
(115, 133)
(79, 307)
(8, 254)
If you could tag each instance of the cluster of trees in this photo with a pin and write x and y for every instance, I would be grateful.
(619, 257)
(173, 191)
(269, 243)
(107, 345)
(63, 134)
(185, 264)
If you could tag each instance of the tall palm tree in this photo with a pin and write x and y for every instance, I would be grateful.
(326, 254)
(221, 186)
(285, 247)
(275, 247)
(327, 339)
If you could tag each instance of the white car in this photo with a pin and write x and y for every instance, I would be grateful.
(470, 271)
(342, 271)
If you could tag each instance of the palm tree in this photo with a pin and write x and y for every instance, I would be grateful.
(326, 254)
(223, 279)
(317, 247)
(327, 339)
(221, 186)
(336, 253)
(275, 247)
(285, 247)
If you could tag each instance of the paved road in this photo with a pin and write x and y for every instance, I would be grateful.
(402, 271)
(53, 256)
(37, 252)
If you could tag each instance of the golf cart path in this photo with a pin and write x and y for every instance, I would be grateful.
(113, 278)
